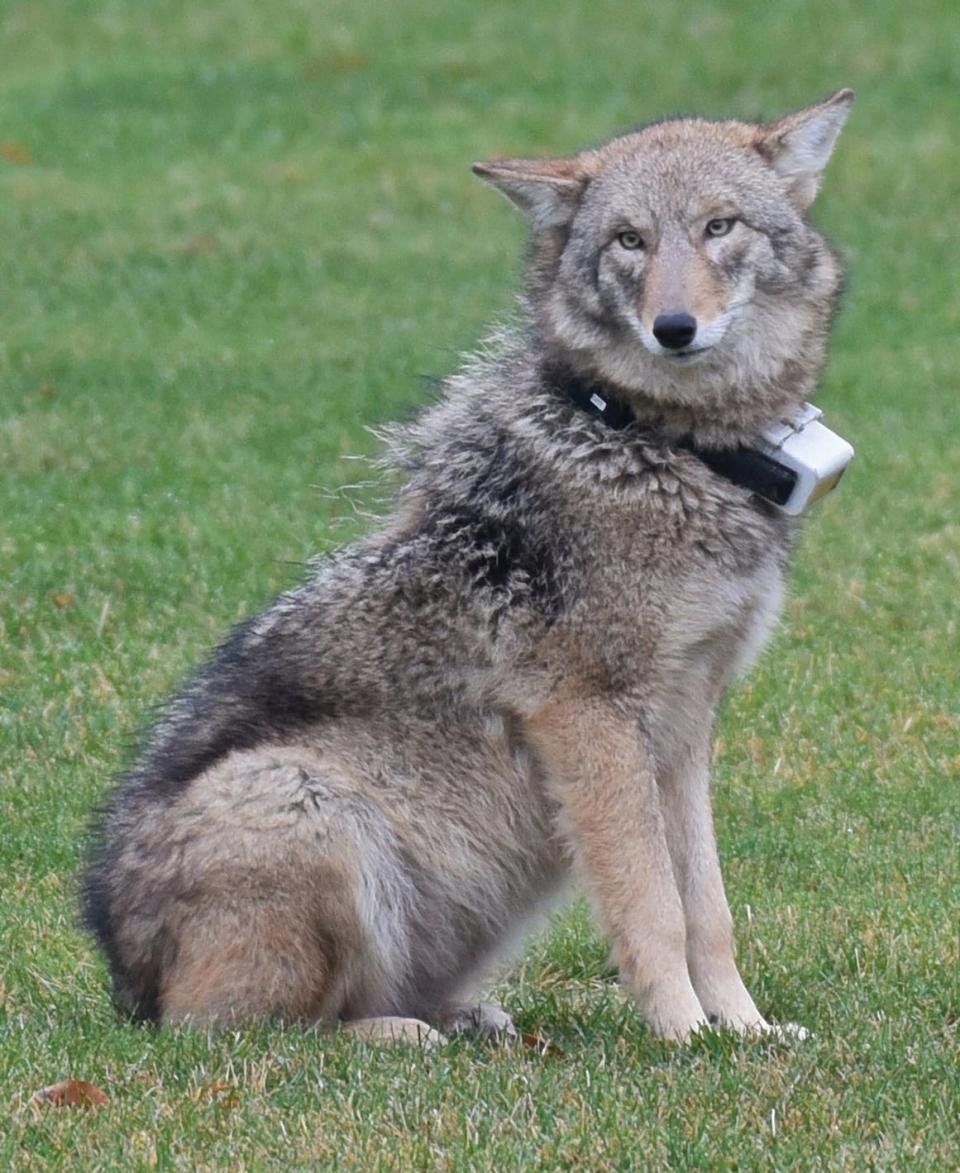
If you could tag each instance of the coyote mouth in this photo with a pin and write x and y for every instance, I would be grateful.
(686, 357)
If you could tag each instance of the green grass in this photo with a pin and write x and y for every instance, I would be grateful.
(233, 236)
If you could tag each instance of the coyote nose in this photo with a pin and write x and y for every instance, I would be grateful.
(674, 330)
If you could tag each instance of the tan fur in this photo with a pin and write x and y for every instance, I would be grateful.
(608, 791)
(375, 786)
(682, 279)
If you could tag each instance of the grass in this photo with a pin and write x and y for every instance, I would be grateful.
(235, 235)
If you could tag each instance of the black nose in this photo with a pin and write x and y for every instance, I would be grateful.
(674, 331)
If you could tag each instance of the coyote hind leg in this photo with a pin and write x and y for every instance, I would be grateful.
(260, 959)
(271, 924)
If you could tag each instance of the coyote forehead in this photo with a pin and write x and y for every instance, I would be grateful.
(680, 171)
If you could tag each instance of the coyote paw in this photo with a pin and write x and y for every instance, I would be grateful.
(393, 1029)
(754, 1025)
(787, 1030)
(762, 1029)
(487, 1020)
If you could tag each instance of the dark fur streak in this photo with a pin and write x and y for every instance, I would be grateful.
(500, 554)
(265, 699)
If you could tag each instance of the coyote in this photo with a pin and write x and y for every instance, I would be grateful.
(373, 787)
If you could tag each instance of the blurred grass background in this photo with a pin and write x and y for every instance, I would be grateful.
(234, 235)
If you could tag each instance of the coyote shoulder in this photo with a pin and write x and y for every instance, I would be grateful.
(373, 786)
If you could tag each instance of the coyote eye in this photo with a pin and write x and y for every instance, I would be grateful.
(720, 227)
(630, 239)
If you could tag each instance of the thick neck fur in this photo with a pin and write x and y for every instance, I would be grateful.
(511, 388)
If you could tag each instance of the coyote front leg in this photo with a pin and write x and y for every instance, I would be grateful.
(688, 819)
(604, 779)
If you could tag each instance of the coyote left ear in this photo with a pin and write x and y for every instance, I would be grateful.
(798, 146)
(546, 190)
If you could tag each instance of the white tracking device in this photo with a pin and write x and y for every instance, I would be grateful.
(806, 448)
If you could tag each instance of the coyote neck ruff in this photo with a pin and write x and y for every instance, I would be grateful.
(372, 787)
(749, 468)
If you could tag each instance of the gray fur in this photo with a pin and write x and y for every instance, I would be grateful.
(373, 786)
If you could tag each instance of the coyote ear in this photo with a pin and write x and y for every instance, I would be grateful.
(799, 145)
(546, 190)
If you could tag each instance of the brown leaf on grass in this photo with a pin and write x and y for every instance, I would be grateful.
(63, 599)
(14, 152)
(71, 1093)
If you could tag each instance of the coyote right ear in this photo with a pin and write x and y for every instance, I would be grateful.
(546, 190)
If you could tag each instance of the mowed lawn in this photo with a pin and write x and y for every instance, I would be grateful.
(232, 238)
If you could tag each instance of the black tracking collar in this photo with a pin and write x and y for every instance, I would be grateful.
(749, 468)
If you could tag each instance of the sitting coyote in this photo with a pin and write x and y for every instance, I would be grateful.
(372, 789)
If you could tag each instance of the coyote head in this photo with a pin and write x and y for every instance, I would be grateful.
(677, 261)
